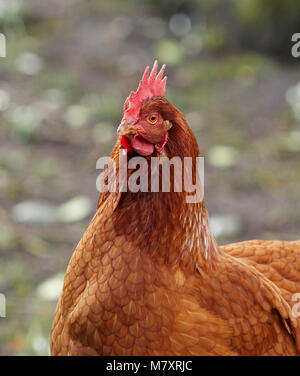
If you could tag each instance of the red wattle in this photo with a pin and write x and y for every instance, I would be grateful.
(126, 144)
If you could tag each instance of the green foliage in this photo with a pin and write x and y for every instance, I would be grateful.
(267, 24)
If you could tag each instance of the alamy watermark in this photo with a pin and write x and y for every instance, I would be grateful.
(296, 47)
(2, 45)
(187, 176)
(2, 305)
(296, 307)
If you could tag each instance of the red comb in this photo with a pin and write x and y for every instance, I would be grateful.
(152, 85)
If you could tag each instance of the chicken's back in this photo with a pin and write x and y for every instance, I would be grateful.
(277, 260)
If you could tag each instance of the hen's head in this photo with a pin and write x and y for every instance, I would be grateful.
(144, 126)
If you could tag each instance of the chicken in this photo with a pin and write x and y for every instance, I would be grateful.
(148, 278)
(278, 260)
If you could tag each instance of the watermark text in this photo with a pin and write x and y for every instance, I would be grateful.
(159, 174)
(2, 305)
(2, 45)
(296, 307)
(296, 47)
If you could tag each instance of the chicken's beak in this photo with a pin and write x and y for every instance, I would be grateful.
(125, 129)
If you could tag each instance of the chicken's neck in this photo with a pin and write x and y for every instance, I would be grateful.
(163, 224)
(168, 229)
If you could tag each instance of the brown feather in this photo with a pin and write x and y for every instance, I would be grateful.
(147, 278)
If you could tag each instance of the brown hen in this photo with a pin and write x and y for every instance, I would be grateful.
(147, 277)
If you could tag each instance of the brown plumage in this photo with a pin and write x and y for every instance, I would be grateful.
(147, 277)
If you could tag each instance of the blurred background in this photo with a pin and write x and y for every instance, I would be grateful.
(70, 65)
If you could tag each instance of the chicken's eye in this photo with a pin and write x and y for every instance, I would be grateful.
(152, 119)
